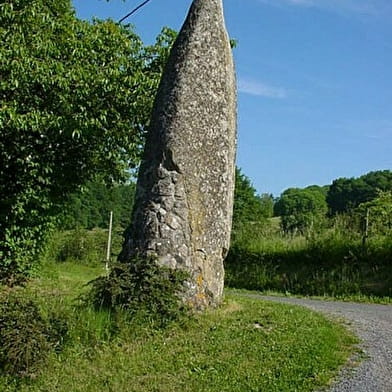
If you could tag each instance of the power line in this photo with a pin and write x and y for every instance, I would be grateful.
(134, 10)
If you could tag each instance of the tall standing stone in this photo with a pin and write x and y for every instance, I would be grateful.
(184, 197)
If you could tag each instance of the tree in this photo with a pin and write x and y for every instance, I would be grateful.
(90, 209)
(248, 206)
(378, 213)
(75, 100)
(346, 194)
(299, 208)
(267, 204)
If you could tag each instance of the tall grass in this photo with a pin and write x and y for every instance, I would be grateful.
(333, 261)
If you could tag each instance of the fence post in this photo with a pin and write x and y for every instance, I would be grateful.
(366, 228)
(108, 250)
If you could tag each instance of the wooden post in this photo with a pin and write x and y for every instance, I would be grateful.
(366, 228)
(108, 250)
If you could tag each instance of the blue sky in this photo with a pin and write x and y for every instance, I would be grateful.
(314, 83)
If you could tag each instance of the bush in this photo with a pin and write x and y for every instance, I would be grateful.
(141, 287)
(82, 246)
(26, 336)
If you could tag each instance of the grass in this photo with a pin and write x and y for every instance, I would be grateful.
(333, 263)
(244, 345)
(358, 298)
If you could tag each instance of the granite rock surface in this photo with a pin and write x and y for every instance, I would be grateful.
(184, 197)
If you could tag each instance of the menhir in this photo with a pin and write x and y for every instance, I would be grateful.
(184, 198)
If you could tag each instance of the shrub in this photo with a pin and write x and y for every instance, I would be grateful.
(26, 336)
(141, 287)
(82, 246)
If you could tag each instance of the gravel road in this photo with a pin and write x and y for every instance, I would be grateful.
(373, 324)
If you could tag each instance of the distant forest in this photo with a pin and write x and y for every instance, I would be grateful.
(297, 206)
(90, 208)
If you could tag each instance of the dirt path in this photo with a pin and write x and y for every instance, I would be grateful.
(373, 324)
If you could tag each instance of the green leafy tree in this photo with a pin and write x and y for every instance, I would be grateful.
(378, 213)
(248, 206)
(90, 209)
(267, 204)
(346, 194)
(300, 209)
(75, 99)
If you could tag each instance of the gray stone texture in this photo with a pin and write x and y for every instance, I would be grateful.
(184, 198)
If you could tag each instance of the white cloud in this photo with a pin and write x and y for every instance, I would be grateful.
(252, 87)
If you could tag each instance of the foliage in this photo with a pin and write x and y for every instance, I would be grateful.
(90, 208)
(328, 256)
(79, 245)
(299, 349)
(267, 204)
(301, 209)
(334, 262)
(26, 336)
(250, 211)
(141, 286)
(379, 213)
(75, 99)
(88, 247)
(346, 194)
